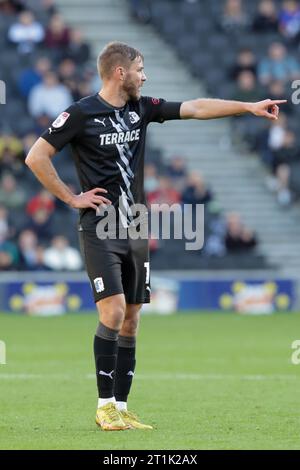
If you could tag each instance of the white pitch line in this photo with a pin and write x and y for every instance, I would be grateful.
(178, 376)
(210, 377)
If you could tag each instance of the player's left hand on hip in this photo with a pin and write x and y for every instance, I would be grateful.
(267, 108)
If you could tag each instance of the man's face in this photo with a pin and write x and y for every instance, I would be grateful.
(134, 79)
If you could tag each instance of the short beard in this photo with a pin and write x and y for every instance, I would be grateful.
(130, 91)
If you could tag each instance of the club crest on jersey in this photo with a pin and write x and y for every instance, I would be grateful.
(60, 120)
(133, 117)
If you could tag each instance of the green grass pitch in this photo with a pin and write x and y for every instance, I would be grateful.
(207, 381)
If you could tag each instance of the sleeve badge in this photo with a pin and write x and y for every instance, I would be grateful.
(60, 120)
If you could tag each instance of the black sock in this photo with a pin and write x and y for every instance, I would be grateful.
(105, 350)
(125, 367)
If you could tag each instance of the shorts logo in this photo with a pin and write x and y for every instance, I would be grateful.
(60, 120)
(99, 284)
(133, 117)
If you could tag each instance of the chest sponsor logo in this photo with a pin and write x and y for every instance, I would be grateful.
(133, 117)
(60, 120)
(119, 137)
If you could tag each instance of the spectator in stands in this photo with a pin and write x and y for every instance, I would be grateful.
(49, 98)
(42, 201)
(41, 224)
(31, 254)
(69, 77)
(283, 157)
(26, 33)
(246, 61)
(266, 18)
(289, 19)
(77, 50)
(165, 193)
(11, 155)
(216, 231)
(40, 208)
(4, 224)
(57, 33)
(8, 250)
(246, 88)
(195, 191)
(31, 77)
(10, 7)
(61, 256)
(151, 182)
(12, 196)
(9, 255)
(177, 171)
(238, 238)
(245, 126)
(234, 18)
(272, 140)
(279, 65)
(284, 194)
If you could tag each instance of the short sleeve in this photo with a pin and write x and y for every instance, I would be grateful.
(160, 110)
(65, 128)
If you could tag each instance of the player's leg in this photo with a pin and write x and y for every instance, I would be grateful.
(126, 365)
(103, 265)
(126, 355)
(136, 285)
(111, 316)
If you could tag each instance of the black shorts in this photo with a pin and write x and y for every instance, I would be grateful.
(117, 267)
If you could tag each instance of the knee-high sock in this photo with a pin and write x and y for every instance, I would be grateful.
(105, 350)
(125, 367)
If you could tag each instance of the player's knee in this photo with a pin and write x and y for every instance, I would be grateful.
(130, 326)
(112, 312)
(133, 310)
(131, 321)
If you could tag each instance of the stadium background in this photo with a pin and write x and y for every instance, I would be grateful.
(245, 170)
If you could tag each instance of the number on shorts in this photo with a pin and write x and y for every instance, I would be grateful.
(147, 266)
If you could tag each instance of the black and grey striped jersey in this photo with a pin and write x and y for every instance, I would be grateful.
(108, 145)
